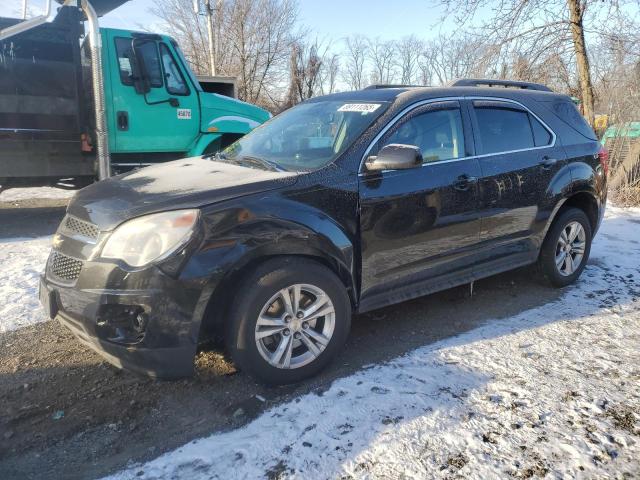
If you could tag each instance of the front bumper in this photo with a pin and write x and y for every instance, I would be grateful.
(155, 362)
(144, 321)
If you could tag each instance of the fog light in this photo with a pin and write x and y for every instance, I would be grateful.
(122, 323)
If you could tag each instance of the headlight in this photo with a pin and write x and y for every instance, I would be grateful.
(146, 239)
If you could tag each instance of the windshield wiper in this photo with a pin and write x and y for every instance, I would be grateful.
(264, 162)
(216, 155)
(256, 161)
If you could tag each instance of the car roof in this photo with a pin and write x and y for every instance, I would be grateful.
(410, 95)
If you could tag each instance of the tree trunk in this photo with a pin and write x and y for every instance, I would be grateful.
(576, 11)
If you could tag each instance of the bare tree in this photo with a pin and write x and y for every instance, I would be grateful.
(409, 49)
(539, 26)
(329, 72)
(355, 53)
(253, 42)
(382, 54)
(448, 57)
(304, 71)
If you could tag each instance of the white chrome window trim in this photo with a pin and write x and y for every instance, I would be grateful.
(362, 171)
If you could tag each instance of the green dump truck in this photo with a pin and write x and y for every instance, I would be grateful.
(76, 105)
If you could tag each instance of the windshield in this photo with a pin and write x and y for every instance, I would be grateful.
(305, 137)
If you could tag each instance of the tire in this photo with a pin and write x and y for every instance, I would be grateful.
(562, 274)
(261, 294)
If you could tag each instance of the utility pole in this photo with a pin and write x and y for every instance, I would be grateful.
(212, 42)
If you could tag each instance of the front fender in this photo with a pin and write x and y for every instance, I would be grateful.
(246, 232)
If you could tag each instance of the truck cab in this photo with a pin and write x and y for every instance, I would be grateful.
(157, 109)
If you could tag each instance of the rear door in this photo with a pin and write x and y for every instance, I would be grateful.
(151, 124)
(419, 227)
(518, 159)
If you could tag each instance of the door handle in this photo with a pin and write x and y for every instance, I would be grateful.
(123, 121)
(464, 182)
(548, 162)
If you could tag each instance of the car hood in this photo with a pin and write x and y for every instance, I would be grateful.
(188, 183)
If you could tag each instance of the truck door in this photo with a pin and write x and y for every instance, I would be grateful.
(167, 119)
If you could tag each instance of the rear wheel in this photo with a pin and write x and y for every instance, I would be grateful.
(289, 319)
(566, 248)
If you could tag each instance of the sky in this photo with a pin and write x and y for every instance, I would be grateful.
(326, 19)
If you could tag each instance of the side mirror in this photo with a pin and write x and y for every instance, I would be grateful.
(139, 72)
(395, 157)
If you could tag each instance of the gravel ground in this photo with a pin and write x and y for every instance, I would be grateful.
(64, 413)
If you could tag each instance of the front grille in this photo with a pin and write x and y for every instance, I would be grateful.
(63, 267)
(75, 226)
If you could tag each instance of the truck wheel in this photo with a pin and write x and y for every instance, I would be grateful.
(566, 248)
(289, 319)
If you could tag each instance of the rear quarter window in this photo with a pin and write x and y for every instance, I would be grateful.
(569, 114)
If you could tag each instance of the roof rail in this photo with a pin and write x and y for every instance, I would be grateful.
(377, 86)
(487, 82)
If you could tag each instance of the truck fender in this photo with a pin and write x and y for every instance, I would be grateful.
(202, 143)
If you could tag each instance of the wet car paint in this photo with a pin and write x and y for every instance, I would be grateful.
(389, 236)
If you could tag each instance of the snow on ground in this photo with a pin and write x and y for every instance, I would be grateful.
(17, 194)
(22, 261)
(552, 391)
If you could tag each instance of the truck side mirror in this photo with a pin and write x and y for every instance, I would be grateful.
(139, 72)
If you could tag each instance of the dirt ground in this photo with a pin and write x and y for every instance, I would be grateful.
(65, 413)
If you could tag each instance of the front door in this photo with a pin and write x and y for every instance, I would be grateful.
(150, 123)
(419, 227)
(518, 162)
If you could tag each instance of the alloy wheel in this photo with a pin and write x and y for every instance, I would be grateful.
(570, 248)
(295, 326)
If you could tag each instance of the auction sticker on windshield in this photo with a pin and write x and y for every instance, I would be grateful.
(359, 107)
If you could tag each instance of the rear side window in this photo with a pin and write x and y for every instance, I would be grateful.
(150, 57)
(568, 113)
(504, 129)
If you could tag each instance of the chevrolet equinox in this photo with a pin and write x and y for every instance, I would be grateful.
(343, 204)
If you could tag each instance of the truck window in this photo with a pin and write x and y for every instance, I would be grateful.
(175, 81)
(149, 52)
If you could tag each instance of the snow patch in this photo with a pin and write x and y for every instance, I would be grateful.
(551, 391)
(18, 194)
(22, 260)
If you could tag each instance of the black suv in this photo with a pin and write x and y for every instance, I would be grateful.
(345, 203)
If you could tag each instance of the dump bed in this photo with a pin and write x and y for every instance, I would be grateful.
(102, 7)
(41, 118)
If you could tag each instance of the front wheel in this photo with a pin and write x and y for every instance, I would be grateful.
(566, 248)
(289, 319)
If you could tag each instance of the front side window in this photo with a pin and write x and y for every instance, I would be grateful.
(149, 53)
(175, 81)
(306, 137)
(438, 134)
(503, 129)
